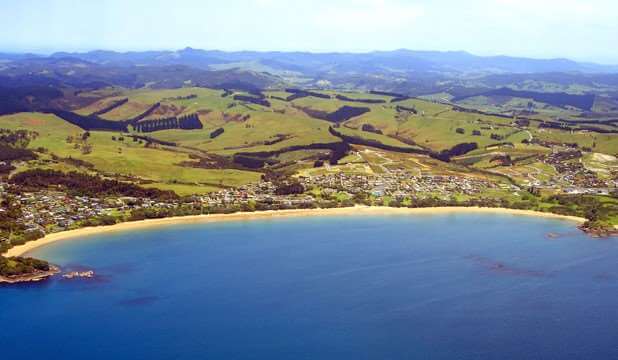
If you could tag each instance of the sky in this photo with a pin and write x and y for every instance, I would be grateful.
(585, 30)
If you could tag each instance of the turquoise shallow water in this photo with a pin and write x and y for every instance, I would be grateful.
(464, 286)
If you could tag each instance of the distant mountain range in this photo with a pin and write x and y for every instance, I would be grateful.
(403, 61)
(30, 81)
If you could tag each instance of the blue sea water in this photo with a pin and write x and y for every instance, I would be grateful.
(460, 286)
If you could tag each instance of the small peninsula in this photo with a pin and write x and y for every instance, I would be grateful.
(25, 269)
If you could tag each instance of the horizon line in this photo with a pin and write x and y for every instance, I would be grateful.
(48, 53)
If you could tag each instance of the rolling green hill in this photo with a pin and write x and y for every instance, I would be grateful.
(243, 135)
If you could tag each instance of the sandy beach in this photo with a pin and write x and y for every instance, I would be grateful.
(247, 216)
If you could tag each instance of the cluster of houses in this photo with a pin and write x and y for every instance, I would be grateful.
(573, 177)
(397, 184)
(261, 192)
(49, 210)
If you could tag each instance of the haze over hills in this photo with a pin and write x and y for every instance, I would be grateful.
(306, 62)
(454, 74)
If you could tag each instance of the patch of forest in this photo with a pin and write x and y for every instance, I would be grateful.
(88, 122)
(186, 122)
(26, 98)
(92, 122)
(566, 127)
(81, 184)
(559, 99)
(256, 160)
(370, 128)
(376, 144)
(254, 100)
(366, 101)
(149, 139)
(9, 153)
(298, 94)
(342, 114)
(386, 93)
(17, 266)
(13, 147)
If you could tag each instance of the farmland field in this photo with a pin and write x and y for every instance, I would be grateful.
(285, 131)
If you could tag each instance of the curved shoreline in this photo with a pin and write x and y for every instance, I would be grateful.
(21, 250)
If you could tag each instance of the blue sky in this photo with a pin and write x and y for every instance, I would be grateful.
(577, 29)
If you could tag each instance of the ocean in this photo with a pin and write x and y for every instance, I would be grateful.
(447, 286)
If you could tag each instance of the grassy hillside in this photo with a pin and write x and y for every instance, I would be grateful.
(175, 159)
(125, 158)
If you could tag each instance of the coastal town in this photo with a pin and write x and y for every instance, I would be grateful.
(47, 211)
(331, 179)
(53, 210)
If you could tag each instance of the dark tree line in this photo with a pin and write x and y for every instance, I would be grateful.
(186, 122)
(85, 185)
(251, 99)
(345, 113)
(156, 125)
(370, 128)
(457, 150)
(189, 122)
(567, 127)
(386, 93)
(149, 139)
(217, 132)
(257, 160)
(559, 99)
(94, 122)
(145, 114)
(366, 101)
(444, 155)
(187, 97)
(298, 93)
(376, 144)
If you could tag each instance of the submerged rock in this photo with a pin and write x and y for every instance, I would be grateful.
(79, 274)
